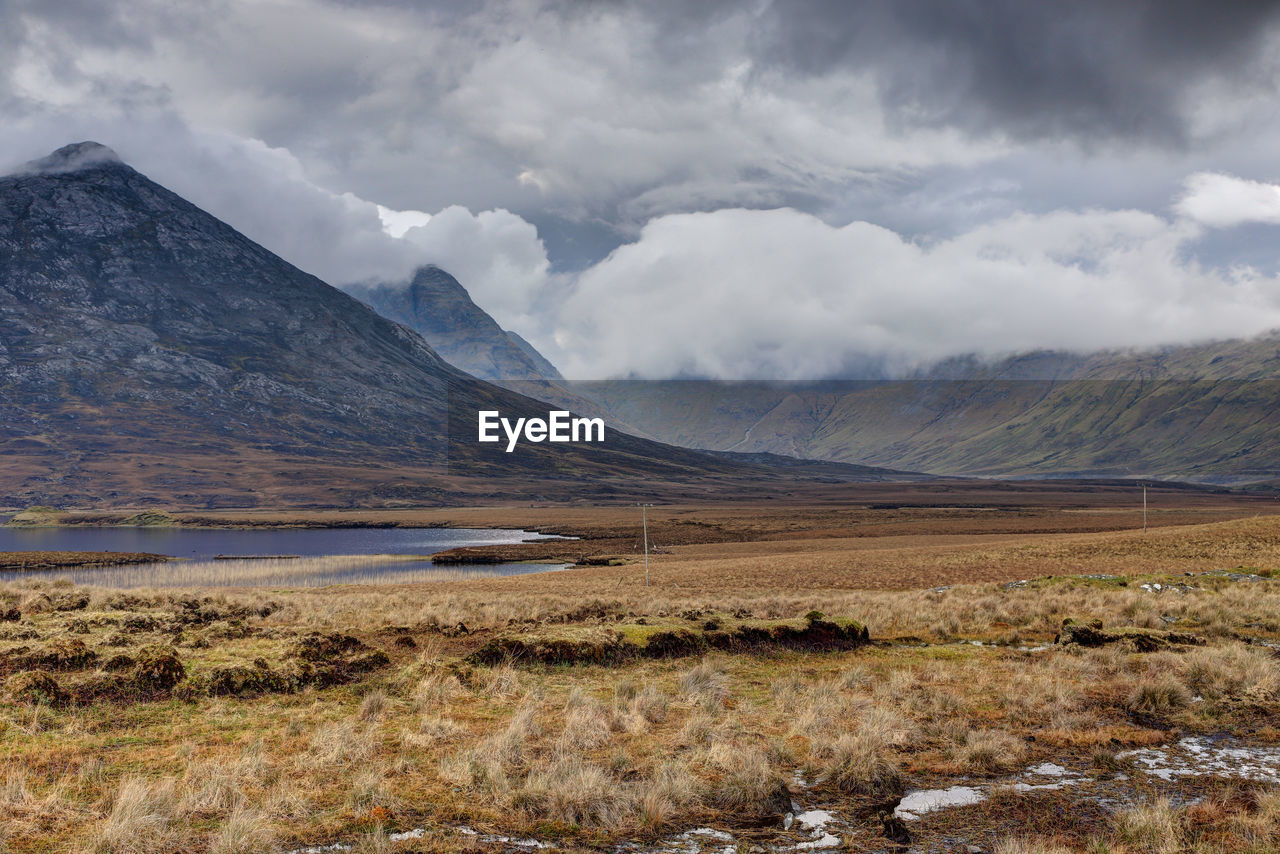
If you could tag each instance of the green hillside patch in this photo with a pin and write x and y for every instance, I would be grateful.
(36, 516)
(630, 641)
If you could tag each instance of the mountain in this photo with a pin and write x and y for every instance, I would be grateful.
(438, 308)
(1207, 413)
(150, 353)
(545, 369)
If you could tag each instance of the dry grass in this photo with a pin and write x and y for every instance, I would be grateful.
(1229, 820)
(991, 751)
(246, 831)
(1029, 846)
(573, 792)
(1151, 828)
(1159, 695)
(141, 819)
(590, 754)
(705, 684)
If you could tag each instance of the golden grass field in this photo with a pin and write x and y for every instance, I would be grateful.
(247, 720)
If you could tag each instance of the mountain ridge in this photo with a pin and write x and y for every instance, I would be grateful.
(150, 353)
(436, 306)
(1201, 413)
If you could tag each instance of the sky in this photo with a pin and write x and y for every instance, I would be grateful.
(762, 189)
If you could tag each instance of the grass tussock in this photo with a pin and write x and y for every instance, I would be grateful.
(990, 751)
(141, 819)
(1230, 819)
(1158, 695)
(1154, 827)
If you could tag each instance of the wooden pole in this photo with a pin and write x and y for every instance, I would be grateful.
(644, 516)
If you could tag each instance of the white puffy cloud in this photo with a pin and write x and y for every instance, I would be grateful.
(744, 294)
(344, 239)
(396, 223)
(496, 255)
(1222, 201)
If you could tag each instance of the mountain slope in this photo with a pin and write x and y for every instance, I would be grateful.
(540, 362)
(1208, 413)
(149, 352)
(438, 308)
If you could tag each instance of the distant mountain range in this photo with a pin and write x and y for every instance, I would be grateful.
(1208, 413)
(151, 353)
(1205, 413)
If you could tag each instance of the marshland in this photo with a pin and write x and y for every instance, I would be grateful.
(1016, 677)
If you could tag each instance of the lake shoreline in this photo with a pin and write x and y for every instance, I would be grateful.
(88, 519)
(129, 556)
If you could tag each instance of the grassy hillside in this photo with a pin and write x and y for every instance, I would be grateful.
(1204, 413)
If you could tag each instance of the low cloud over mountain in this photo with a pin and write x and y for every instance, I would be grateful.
(788, 188)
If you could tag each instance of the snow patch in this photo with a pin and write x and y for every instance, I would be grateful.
(1197, 756)
(922, 801)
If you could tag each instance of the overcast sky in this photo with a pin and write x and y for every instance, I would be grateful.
(730, 189)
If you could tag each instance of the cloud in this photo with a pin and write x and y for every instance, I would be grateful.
(70, 158)
(589, 118)
(496, 255)
(611, 112)
(788, 187)
(344, 239)
(742, 294)
(1222, 201)
(1091, 71)
(396, 223)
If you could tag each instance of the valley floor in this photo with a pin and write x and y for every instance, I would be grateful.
(584, 710)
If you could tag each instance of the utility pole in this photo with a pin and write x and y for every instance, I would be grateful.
(644, 518)
(1144, 508)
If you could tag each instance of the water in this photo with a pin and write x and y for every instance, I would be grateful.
(1196, 756)
(325, 555)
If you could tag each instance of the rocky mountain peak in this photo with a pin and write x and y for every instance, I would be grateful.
(436, 306)
(72, 158)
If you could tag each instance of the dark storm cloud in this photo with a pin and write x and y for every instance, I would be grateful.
(87, 21)
(767, 188)
(1089, 70)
